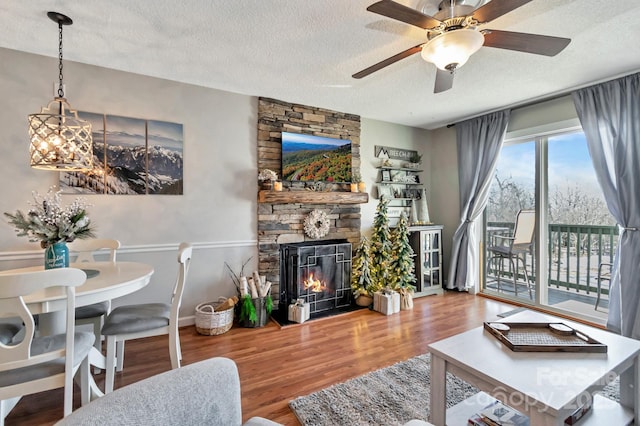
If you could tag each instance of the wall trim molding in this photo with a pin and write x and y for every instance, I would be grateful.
(147, 248)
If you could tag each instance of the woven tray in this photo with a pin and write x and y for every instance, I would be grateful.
(543, 337)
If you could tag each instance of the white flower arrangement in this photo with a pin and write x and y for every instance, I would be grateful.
(48, 222)
(267, 175)
(316, 224)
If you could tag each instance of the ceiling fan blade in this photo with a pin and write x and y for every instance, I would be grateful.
(496, 8)
(444, 81)
(525, 42)
(395, 58)
(399, 12)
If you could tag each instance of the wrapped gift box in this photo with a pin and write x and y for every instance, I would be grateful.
(386, 302)
(298, 311)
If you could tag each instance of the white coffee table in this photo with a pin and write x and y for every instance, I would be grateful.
(546, 386)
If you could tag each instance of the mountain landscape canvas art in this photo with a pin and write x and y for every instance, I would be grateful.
(131, 156)
(164, 153)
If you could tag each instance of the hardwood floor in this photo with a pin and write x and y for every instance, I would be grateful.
(277, 365)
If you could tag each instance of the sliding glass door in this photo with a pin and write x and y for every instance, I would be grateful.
(575, 236)
(512, 190)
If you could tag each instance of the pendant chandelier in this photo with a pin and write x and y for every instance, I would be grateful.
(59, 139)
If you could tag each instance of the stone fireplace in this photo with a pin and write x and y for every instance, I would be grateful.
(319, 273)
(281, 214)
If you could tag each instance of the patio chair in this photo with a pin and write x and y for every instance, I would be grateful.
(146, 320)
(606, 276)
(94, 314)
(9, 328)
(514, 248)
(35, 364)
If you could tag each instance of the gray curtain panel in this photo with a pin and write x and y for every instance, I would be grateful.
(479, 141)
(610, 117)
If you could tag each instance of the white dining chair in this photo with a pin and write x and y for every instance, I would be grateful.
(146, 320)
(36, 364)
(95, 313)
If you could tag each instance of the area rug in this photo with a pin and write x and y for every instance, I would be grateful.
(390, 396)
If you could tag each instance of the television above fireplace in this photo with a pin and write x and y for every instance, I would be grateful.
(315, 158)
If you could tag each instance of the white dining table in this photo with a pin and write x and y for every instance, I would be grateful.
(105, 281)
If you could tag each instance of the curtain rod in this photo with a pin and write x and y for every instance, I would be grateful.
(547, 98)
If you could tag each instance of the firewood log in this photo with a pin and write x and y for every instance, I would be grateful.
(252, 288)
(257, 281)
(227, 304)
(244, 286)
(263, 290)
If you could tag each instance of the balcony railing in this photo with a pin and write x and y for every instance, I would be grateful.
(574, 254)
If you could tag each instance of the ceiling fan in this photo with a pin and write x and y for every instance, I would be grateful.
(453, 35)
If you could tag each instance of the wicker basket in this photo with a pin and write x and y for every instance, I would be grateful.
(210, 322)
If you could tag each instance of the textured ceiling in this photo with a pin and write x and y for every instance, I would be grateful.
(305, 51)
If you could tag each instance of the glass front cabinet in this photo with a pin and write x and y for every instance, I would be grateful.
(426, 242)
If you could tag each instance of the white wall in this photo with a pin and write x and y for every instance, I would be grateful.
(445, 204)
(218, 209)
(542, 115)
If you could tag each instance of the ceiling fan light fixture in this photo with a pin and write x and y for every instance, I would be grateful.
(452, 49)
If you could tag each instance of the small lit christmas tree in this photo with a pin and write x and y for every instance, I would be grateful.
(361, 272)
(381, 255)
(401, 271)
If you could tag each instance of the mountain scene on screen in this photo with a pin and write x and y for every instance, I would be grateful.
(316, 162)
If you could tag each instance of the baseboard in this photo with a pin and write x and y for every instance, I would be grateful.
(186, 321)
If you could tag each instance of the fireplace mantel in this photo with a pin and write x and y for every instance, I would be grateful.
(312, 197)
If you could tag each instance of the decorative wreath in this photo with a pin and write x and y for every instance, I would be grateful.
(316, 224)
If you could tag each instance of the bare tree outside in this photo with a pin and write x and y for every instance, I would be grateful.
(506, 198)
(570, 205)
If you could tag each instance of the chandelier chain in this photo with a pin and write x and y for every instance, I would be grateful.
(60, 87)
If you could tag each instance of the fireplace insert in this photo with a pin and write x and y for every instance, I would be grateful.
(319, 272)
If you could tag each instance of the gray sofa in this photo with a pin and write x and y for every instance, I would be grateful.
(207, 392)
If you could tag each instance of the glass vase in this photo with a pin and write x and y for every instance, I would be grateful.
(56, 255)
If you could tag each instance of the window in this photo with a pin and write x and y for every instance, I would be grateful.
(553, 175)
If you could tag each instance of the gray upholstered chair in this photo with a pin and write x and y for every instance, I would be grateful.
(94, 314)
(204, 393)
(32, 364)
(146, 320)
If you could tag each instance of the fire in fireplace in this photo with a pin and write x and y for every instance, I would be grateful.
(319, 272)
(315, 285)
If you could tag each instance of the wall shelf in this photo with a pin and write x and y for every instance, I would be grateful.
(404, 169)
(393, 183)
(399, 183)
(312, 197)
